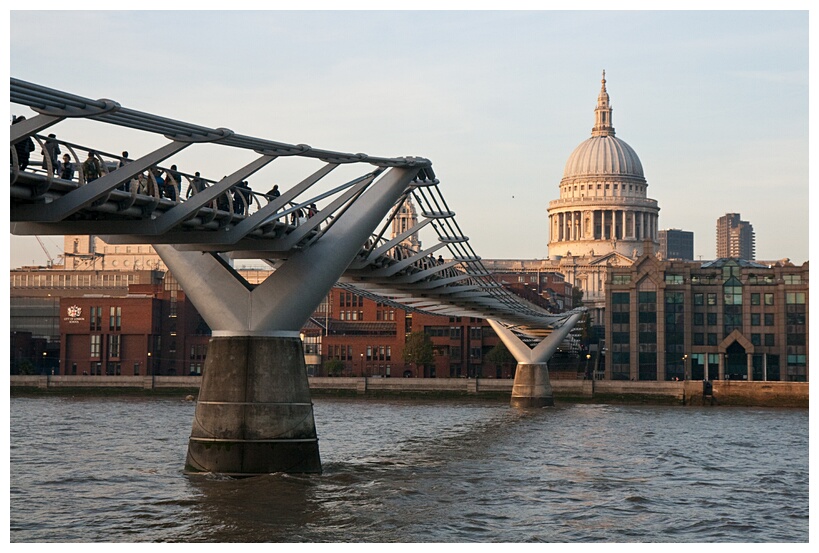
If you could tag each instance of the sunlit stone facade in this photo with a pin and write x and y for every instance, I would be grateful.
(603, 217)
(603, 206)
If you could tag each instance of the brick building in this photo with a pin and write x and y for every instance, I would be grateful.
(726, 319)
(149, 331)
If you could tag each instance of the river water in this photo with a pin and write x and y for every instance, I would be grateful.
(110, 470)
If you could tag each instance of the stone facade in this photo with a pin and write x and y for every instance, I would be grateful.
(603, 205)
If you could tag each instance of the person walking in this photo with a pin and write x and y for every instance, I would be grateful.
(172, 183)
(67, 168)
(51, 151)
(91, 168)
(24, 147)
(197, 185)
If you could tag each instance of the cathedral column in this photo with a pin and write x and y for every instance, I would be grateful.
(568, 222)
(613, 215)
(578, 234)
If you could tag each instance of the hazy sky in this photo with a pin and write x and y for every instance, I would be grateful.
(715, 103)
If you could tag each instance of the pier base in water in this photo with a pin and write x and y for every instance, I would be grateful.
(254, 414)
(532, 387)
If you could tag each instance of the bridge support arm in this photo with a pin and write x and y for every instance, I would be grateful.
(532, 386)
(254, 414)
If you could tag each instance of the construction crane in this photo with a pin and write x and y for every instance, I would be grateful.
(50, 263)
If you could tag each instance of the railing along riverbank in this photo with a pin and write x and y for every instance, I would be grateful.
(692, 392)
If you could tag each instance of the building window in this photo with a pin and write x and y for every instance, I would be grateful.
(769, 319)
(647, 317)
(712, 339)
(712, 299)
(620, 297)
(795, 298)
(699, 319)
(113, 345)
(115, 318)
(712, 319)
(699, 339)
(792, 279)
(699, 299)
(619, 337)
(769, 299)
(797, 339)
(95, 345)
(620, 317)
(755, 319)
(673, 279)
(795, 317)
(755, 298)
(769, 340)
(96, 318)
(620, 279)
(756, 339)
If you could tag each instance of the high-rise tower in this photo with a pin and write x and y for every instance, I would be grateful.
(735, 238)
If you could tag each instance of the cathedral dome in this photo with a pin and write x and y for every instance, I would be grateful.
(603, 155)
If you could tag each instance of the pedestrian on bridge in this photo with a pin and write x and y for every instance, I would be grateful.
(172, 182)
(91, 168)
(24, 147)
(51, 151)
(123, 161)
(197, 185)
(241, 197)
(67, 168)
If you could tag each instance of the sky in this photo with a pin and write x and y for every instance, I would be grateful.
(715, 102)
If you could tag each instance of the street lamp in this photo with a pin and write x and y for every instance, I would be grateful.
(150, 365)
(685, 367)
(361, 356)
(588, 358)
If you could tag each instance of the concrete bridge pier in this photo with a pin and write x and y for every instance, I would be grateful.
(532, 387)
(254, 414)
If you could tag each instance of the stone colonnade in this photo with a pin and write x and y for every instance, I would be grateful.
(604, 224)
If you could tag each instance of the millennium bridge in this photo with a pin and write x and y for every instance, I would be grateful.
(254, 413)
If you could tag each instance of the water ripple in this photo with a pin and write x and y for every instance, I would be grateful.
(413, 471)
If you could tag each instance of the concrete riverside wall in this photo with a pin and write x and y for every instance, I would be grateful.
(142, 382)
(725, 392)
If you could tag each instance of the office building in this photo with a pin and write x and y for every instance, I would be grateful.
(677, 244)
(728, 319)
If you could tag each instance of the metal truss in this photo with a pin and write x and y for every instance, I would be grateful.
(126, 205)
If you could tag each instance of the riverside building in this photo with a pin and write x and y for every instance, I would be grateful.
(728, 319)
